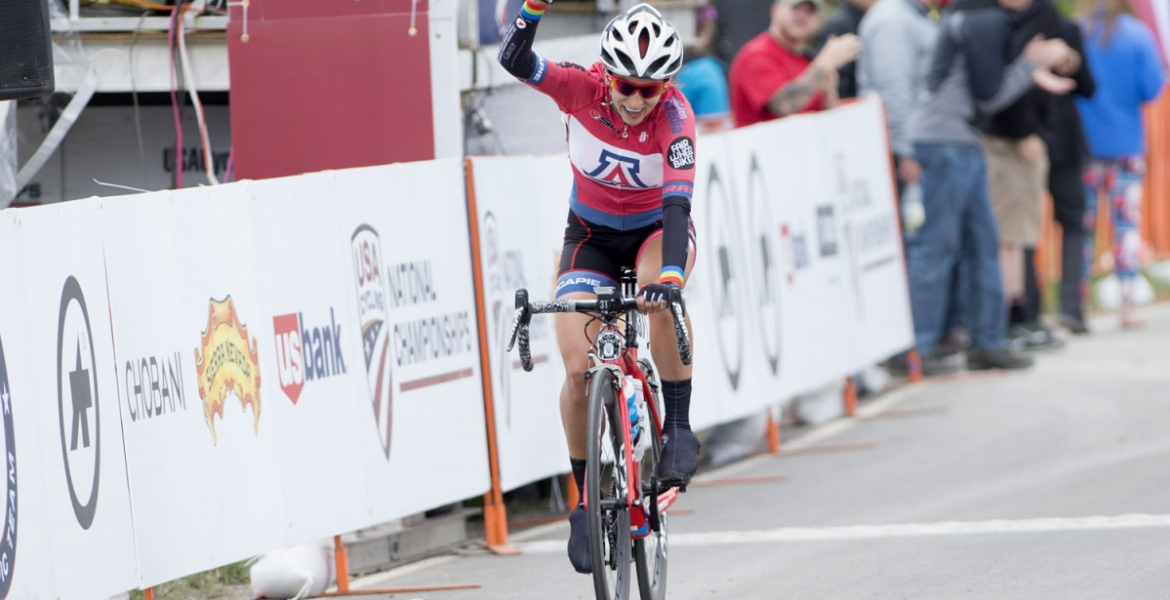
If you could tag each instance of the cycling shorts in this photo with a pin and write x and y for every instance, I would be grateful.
(593, 255)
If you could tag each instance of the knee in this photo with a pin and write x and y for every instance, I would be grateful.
(575, 380)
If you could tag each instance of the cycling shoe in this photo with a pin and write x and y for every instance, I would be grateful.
(579, 540)
(679, 459)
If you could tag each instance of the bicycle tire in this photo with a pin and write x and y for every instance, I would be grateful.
(609, 530)
(650, 552)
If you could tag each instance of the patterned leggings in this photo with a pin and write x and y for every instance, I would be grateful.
(1122, 181)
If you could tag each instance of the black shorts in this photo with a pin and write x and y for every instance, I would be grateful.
(593, 255)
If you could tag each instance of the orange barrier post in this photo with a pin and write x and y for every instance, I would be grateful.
(1156, 200)
(914, 361)
(773, 433)
(850, 397)
(495, 515)
(148, 594)
(341, 562)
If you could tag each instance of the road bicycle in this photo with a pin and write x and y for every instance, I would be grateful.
(625, 521)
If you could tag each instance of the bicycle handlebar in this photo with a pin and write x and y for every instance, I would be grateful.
(525, 310)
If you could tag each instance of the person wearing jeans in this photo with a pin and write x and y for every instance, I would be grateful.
(967, 80)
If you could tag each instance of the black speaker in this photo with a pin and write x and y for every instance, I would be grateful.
(26, 49)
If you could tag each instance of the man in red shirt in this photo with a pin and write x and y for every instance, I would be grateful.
(771, 77)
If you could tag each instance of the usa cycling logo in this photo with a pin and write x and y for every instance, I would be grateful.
(616, 169)
(373, 314)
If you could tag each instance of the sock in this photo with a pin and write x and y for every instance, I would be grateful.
(579, 476)
(1017, 314)
(676, 396)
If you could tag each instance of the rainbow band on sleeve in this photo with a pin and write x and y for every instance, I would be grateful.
(532, 11)
(671, 274)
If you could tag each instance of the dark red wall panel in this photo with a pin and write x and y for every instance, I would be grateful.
(329, 85)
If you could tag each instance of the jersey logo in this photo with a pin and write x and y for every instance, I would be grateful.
(681, 154)
(618, 170)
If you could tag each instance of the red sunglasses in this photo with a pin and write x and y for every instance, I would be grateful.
(627, 88)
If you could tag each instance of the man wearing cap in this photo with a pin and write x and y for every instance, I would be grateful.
(772, 77)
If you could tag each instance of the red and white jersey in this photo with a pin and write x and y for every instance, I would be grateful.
(621, 173)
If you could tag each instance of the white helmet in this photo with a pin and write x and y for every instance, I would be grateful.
(640, 43)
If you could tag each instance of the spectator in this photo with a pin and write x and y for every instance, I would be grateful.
(1122, 53)
(898, 38)
(1017, 162)
(845, 20)
(703, 78)
(967, 79)
(1067, 154)
(771, 77)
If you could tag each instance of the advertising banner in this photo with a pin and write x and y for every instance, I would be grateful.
(69, 369)
(520, 243)
(316, 384)
(26, 561)
(200, 442)
(424, 441)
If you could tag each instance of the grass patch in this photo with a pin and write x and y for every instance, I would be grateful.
(208, 584)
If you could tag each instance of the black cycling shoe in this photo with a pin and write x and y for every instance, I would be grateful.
(579, 540)
(680, 458)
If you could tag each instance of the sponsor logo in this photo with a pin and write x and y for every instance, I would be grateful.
(373, 304)
(154, 386)
(764, 259)
(726, 283)
(541, 70)
(225, 360)
(603, 120)
(572, 65)
(795, 247)
(676, 113)
(681, 153)
(521, 23)
(8, 534)
(827, 231)
(566, 282)
(642, 138)
(77, 403)
(304, 353)
(616, 169)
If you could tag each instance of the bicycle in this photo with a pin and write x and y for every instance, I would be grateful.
(624, 520)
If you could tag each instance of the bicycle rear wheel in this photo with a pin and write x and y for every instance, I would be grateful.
(605, 479)
(650, 551)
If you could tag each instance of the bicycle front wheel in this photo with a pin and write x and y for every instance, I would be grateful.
(650, 551)
(605, 479)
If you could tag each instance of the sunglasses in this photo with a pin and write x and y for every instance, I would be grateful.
(627, 88)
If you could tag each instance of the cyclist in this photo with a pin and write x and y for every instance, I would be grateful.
(632, 148)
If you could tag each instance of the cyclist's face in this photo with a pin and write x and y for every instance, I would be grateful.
(635, 107)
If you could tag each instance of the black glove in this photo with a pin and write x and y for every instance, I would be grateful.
(656, 292)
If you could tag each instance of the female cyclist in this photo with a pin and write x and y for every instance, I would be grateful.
(632, 148)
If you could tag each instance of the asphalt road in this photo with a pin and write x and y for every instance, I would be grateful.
(1053, 483)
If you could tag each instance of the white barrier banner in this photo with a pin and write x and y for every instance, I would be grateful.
(26, 562)
(315, 378)
(519, 203)
(870, 232)
(405, 227)
(200, 440)
(70, 369)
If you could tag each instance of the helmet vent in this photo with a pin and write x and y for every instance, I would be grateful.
(625, 60)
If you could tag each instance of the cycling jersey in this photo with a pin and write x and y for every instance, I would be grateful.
(621, 173)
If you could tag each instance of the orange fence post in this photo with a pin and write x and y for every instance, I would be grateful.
(495, 515)
(850, 397)
(148, 594)
(341, 561)
(914, 362)
(773, 433)
(1156, 197)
